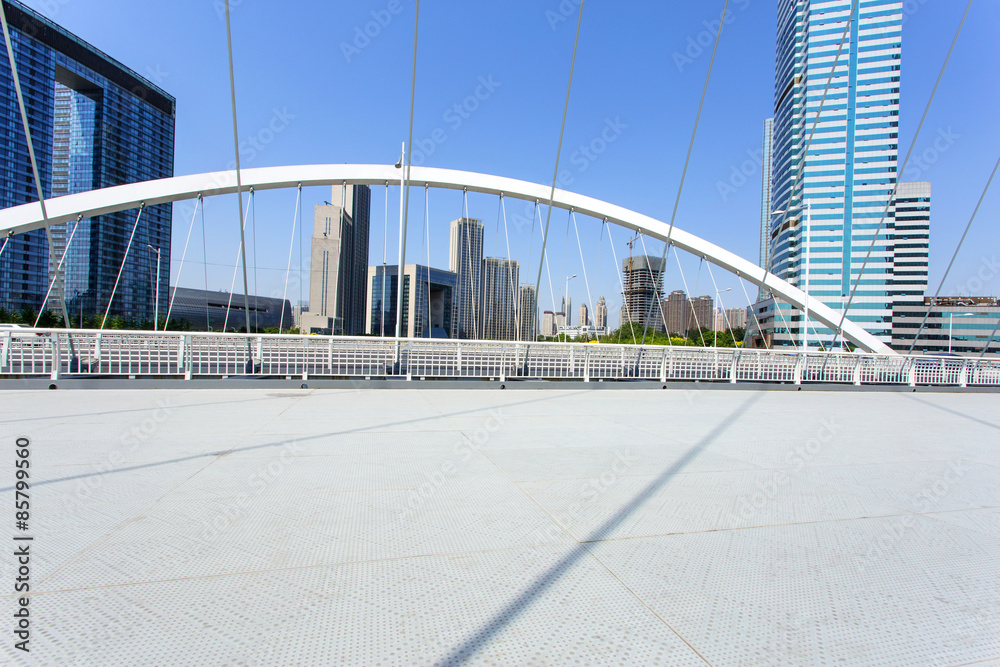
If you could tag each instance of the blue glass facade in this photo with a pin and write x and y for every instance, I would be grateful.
(94, 124)
(845, 169)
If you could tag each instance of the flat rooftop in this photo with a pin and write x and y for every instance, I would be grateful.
(558, 526)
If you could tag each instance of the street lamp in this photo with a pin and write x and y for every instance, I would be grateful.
(156, 308)
(951, 324)
(566, 294)
(724, 319)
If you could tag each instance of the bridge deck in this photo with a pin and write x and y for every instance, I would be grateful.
(542, 527)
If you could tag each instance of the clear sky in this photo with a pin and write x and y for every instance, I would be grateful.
(336, 97)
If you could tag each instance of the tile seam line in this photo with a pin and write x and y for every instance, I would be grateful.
(145, 508)
(296, 568)
(785, 525)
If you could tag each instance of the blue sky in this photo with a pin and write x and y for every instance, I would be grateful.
(341, 99)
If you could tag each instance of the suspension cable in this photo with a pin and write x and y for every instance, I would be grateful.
(658, 297)
(892, 195)
(687, 159)
(239, 182)
(555, 171)
(236, 265)
(953, 256)
(725, 318)
(253, 231)
(511, 283)
(753, 311)
(288, 268)
(31, 148)
(385, 248)
(625, 304)
(180, 269)
(204, 254)
(427, 235)
(405, 192)
(55, 276)
(142, 207)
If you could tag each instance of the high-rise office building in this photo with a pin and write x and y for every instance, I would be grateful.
(567, 310)
(338, 269)
(94, 124)
(428, 297)
(765, 202)
(501, 278)
(584, 318)
(912, 241)
(831, 186)
(528, 313)
(465, 260)
(601, 314)
(642, 277)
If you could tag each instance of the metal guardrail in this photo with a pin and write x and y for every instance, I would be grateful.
(55, 353)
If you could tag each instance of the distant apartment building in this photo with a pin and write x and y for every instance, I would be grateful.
(465, 260)
(567, 310)
(501, 278)
(548, 323)
(338, 269)
(584, 317)
(736, 317)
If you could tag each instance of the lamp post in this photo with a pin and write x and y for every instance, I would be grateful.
(566, 316)
(951, 324)
(724, 320)
(156, 307)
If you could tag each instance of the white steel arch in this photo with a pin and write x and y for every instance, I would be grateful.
(19, 219)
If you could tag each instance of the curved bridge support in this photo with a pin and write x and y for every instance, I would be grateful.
(122, 197)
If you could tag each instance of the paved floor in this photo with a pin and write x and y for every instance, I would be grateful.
(555, 527)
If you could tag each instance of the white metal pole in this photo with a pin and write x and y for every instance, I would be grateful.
(156, 300)
(805, 320)
(402, 241)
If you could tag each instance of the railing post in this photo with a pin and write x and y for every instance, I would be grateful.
(857, 371)
(572, 361)
(503, 362)
(911, 374)
(663, 365)
(586, 364)
(734, 364)
(963, 374)
(305, 358)
(329, 357)
(188, 357)
(800, 365)
(5, 351)
(180, 352)
(458, 360)
(409, 353)
(54, 371)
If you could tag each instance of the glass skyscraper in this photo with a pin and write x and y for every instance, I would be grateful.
(465, 259)
(843, 173)
(94, 124)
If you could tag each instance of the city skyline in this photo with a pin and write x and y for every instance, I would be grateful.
(754, 24)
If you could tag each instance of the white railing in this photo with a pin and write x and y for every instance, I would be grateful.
(55, 353)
